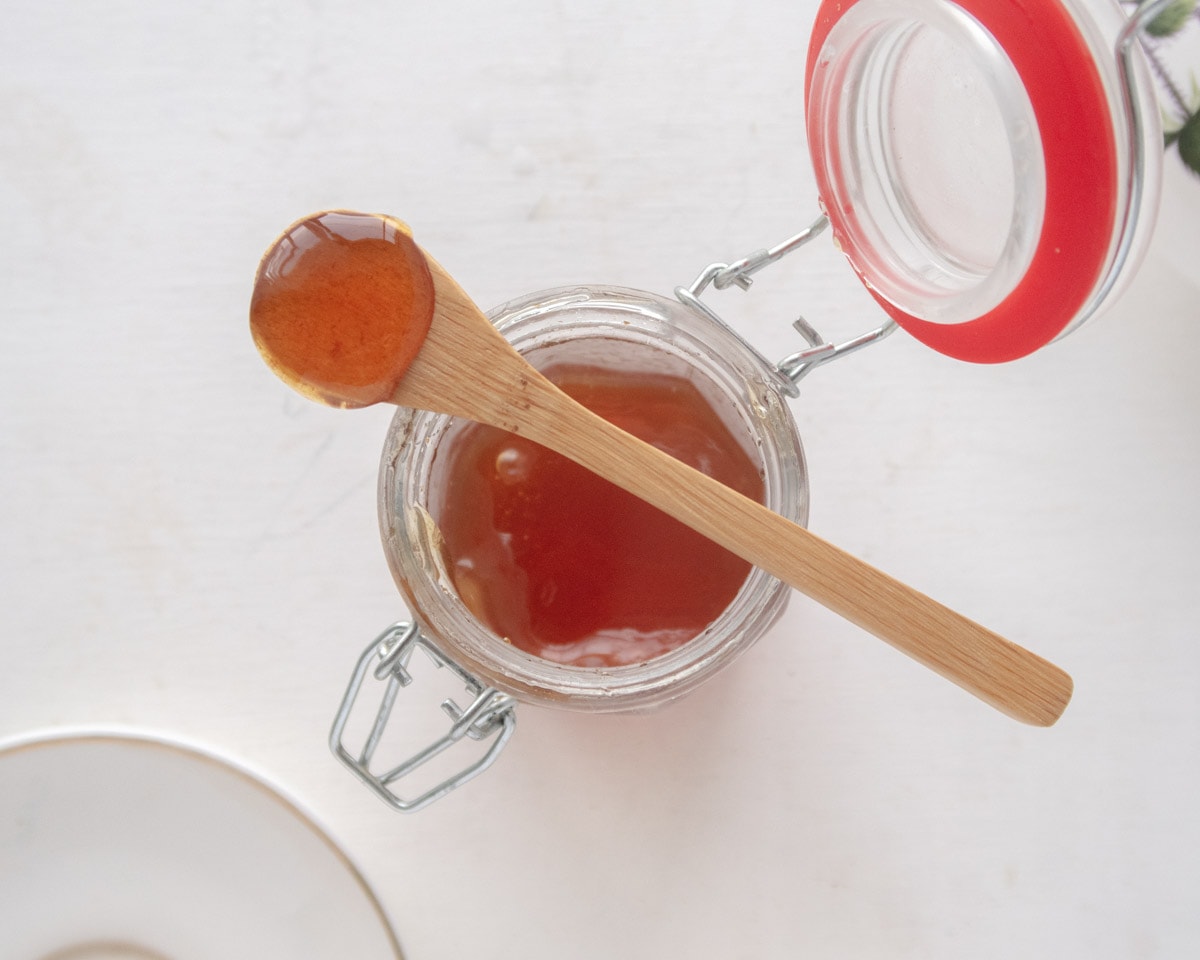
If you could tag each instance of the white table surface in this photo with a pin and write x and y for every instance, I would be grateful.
(190, 550)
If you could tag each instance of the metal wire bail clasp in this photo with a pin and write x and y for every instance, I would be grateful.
(791, 369)
(489, 719)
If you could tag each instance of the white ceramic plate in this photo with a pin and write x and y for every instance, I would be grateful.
(115, 845)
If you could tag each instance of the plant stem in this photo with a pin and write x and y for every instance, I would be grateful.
(1166, 80)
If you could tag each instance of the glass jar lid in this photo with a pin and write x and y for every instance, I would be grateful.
(982, 163)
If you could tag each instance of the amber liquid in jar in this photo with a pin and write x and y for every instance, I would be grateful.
(566, 565)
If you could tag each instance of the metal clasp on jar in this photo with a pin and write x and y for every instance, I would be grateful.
(789, 371)
(489, 718)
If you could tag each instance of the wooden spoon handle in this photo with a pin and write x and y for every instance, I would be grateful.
(466, 368)
(999, 672)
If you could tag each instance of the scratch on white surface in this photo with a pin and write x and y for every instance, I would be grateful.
(309, 497)
(49, 176)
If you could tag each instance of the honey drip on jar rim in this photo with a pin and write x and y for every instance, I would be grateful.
(569, 567)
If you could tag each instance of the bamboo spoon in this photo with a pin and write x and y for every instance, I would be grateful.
(348, 310)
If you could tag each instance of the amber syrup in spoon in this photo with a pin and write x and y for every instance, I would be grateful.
(314, 312)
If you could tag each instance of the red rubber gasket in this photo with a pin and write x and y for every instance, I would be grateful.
(1060, 76)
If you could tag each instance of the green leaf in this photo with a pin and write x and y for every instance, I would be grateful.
(1188, 141)
(1172, 19)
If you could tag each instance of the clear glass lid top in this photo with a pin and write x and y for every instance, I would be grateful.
(985, 165)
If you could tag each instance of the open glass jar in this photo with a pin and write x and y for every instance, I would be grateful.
(642, 336)
(637, 334)
(990, 169)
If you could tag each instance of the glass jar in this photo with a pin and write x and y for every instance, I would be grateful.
(990, 169)
(632, 332)
(601, 328)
